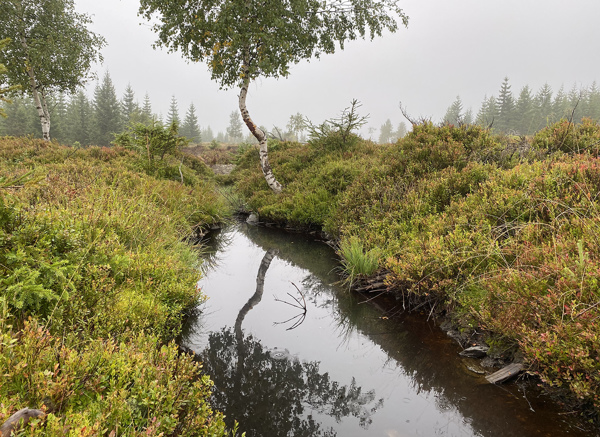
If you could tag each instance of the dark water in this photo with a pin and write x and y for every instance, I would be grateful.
(346, 366)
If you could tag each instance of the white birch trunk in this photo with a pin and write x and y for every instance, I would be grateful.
(38, 97)
(42, 107)
(262, 141)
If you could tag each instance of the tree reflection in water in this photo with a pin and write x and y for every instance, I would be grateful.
(271, 396)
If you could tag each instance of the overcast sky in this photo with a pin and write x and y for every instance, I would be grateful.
(450, 48)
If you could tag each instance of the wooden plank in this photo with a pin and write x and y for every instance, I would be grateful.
(505, 373)
(371, 286)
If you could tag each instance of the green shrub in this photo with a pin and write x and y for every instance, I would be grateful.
(153, 140)
(92, 250)
(337, 134)
(89, 231)
(132, 387)
(568, 137)
(501, 232)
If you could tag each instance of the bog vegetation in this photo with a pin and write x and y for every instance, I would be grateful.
(500, 232)
(95, 275)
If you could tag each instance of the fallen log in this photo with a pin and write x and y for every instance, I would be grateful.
(19, 420)
(505, 373)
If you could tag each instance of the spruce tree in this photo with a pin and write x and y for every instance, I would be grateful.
(401, 131)
(543, 106)
(58, 111)
(79, 121)
(107, 113)
(20, 117)
(454, 113)
(385, 132)
(189, 127)
(593, 102)
(147, 117)
(173, 114)
(207, 134)
(575, 98)
(560, 105)
(525, 112)
(129, 106)
(467, 117)
(221, 138)
(488, 113)
(505, 108)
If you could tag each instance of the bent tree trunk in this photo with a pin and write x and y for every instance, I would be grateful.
(252, 302)
(262, 141)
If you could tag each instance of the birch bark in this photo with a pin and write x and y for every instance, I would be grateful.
(261, 138)
(38, 95)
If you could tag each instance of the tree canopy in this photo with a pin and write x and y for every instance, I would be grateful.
(4, 89)
(50, 37)
(50, 49)
(242, 40)
(245, 39)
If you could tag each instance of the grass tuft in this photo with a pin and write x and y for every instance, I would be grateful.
(356, 261)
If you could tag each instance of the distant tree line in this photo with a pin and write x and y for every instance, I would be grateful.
(78, 119)
(528, 112)
(387, 134)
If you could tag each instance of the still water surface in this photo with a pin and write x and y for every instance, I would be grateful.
(345, 367)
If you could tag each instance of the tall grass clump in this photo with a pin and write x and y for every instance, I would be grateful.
(356, 261)
(95, 275)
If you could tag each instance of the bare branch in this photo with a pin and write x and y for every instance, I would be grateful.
(405, 114)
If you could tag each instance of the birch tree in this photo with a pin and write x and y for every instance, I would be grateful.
(50, 49)
(242, 40)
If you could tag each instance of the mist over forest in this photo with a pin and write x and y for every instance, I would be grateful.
(120, 190)
(95, 120)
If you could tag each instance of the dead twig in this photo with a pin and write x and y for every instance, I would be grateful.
(299, 304)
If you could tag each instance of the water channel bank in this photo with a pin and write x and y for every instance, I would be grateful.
(345, 366)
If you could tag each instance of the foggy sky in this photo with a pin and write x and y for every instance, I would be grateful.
(450, 48)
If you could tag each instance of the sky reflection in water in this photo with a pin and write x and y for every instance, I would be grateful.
(345, 370)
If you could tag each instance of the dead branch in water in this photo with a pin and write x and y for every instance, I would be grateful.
(300, 305)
